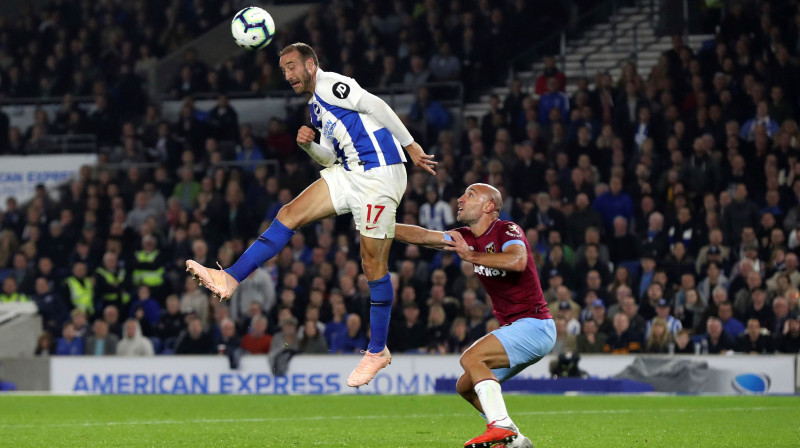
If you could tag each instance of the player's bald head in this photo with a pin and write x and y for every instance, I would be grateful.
(490, 194)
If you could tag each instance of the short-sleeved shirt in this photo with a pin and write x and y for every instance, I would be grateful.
(515, 295)
(358, 140)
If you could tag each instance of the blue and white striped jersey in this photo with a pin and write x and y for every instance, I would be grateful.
(358, 140)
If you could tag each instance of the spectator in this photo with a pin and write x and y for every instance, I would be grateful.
(565, 342)
(229, 342)
(311, 340)
(752, 341)
(259, 288)
(408, 335)
(258, 340)
(194, 340)
(553, 99)
(762, 119)
(351, 341)
(427, 115)
(10, 292)
(286, 338)
(437, 332)
(659, 338)
(788, 340)
(146, 307)
(613, 203)
(731, 325)
(194, 300)
(683, 342)
(623, 340)
(435, 214)
(45, 346)
(69, 344)
(101, 343)
(133, 343)
(717, 340)
(551, 71)
(590, 340)
(171, 323)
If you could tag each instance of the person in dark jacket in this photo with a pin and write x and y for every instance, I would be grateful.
(193, 340)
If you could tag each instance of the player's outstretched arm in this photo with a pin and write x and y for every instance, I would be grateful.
(417, 235)
(514, 258)
(321, 154)
(383, 114)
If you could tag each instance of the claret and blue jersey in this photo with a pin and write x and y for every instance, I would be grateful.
(359, 141)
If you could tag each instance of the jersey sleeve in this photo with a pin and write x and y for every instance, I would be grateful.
(509, 235)
(339, 91)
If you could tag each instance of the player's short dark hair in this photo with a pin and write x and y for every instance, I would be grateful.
(305, 51)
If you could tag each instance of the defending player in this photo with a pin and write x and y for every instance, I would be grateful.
(361, 145)
(504, 264)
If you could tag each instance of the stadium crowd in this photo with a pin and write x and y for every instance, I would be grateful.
(662, 210)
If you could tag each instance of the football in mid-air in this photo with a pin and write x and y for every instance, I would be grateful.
(252, 28)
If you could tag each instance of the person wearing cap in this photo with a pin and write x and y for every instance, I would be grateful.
(663, 310)
(565, 311)
(788, 341)
(648, 262)
(599, 316)
(564, 296)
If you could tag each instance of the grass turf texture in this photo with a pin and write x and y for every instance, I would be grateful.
(393, 421)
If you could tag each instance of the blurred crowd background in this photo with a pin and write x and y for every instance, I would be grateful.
(661, 208)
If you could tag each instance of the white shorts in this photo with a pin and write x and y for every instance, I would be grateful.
(371, 196)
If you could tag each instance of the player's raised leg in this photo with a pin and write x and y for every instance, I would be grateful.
(313, 204)
(375, 262)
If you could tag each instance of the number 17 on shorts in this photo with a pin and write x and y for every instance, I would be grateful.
(378, 221)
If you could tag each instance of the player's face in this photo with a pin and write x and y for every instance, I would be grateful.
(295, 72)
(470, 206)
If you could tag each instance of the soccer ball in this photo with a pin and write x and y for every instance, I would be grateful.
(252, 28)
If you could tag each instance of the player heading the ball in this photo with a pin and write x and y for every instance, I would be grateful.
(361, 146)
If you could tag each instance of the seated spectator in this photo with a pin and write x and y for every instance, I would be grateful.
(590, 340)
(111, 316)
(45, 346)
(229, 342)
(762, 119)
(146, 307)
(258, 340)
(599, 317)
(133, 342)
(565, 342)
(286, 338)
(717, 340)
(753, 341)
(437, 331)
(459, 339)
(193, 340)
(352, 341)
(311, 340)
(69, 344)
(683, 342)
(101, 343)
(730, 324)
(660, 337)
(408, 335)
(172, 321)
(565, 311)
(663, 308)
(10, 292)
(788, 341)
(622, 339)
(551, 71)
(194, 300)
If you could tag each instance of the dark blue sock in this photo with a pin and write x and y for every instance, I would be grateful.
(381, 297)
(267, 246)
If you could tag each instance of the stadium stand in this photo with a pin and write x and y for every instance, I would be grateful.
(654, 201)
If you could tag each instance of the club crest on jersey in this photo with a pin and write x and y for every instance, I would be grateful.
(513, 230)
(317, 109)
(341, 90)
(490, 248)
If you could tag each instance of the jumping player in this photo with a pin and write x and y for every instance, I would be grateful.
(503, 262)
(361, 144)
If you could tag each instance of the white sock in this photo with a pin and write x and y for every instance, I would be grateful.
(491, 398)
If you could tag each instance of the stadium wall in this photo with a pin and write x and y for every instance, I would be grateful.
(408, 374)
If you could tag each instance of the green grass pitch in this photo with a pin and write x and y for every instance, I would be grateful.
(393, 421)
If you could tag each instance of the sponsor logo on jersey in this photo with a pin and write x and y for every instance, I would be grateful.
(488, 272)
(341, 90)
(513, 230)
(490, 248)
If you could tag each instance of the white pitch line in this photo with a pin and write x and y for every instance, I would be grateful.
(374, 417)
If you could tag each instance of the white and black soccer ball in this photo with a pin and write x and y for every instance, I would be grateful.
(252, 28)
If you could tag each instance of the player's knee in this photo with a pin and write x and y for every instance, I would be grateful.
(287, 217)
(373, 269)
(464, 386)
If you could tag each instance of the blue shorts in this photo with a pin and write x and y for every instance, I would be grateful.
(526, 341)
